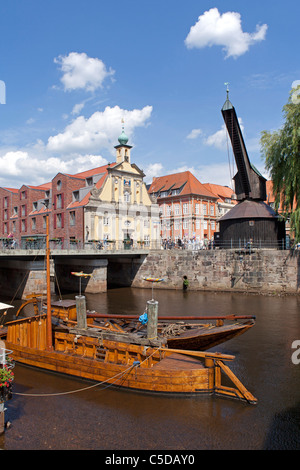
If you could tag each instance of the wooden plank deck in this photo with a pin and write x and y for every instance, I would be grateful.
(179, 362)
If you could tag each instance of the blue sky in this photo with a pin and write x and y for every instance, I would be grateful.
(74, 69)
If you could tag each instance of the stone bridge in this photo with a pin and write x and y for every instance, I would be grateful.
(23, 272)
(266, 271)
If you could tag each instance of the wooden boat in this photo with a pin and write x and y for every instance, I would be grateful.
(116, 358)
(87, 354)
(180, 332)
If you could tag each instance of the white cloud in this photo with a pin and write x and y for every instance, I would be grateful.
(77, 108)
(216, 173)
(20, 167)
(220, 138)
(153, 170)
(82, 72)
(30, 121)
(74, 150)
(215, 29)
(194, 134)
(100, 130)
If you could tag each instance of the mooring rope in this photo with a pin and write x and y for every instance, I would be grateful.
(78, 390)
(116, 377)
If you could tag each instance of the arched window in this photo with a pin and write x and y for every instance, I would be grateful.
(126, 196)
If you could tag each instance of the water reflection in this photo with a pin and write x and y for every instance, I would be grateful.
(115, 419)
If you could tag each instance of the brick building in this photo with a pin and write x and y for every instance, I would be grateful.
(108, 203)
(188, 209)
(226, 198)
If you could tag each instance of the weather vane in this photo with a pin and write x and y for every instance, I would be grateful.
(227, 88)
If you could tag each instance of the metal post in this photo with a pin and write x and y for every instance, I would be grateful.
(152, 313)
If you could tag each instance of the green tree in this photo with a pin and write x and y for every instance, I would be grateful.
(281, 152)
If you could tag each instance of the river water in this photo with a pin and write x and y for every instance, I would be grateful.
(62, 417)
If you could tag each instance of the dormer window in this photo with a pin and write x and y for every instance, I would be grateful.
(175, 192)
(75, 196)
(89, 181)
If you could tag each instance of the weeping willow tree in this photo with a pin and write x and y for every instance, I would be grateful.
(281, 152)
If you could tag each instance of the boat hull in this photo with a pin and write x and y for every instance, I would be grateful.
(176, 375)
(204, 339)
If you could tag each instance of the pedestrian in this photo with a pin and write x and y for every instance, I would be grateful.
(185, 283)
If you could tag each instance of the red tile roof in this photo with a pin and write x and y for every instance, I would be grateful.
(221, 191)
(13, 190)
(176, 181)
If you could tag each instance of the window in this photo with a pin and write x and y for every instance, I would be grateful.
(58, 201)
(23, 195)
(185, 208)
(5, 202)
(23, 210)
(44, 221)
(23, 225)
(163, 194)
(14, 228)
(147, 240)
(197, 223)
(58, 220)
(126, 196)
(213, 225)
(204, 209)
(89, 181)
(105, 219)
(72, 218)
(212, 212)
(185, 224)
(15, 211)
(33, 223)
(5, 214)
(197, 208)
(75, 196)
(168, 210)
(34, 206)
(176, 225)
(177, 212)
(58, 185)
(205, 224)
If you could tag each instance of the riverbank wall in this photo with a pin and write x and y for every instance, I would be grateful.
(258, 271)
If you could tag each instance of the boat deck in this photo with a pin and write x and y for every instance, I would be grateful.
(179, 362)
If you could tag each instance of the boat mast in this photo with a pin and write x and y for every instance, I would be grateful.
(48, 320)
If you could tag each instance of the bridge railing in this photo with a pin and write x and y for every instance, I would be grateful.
(132, 245)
